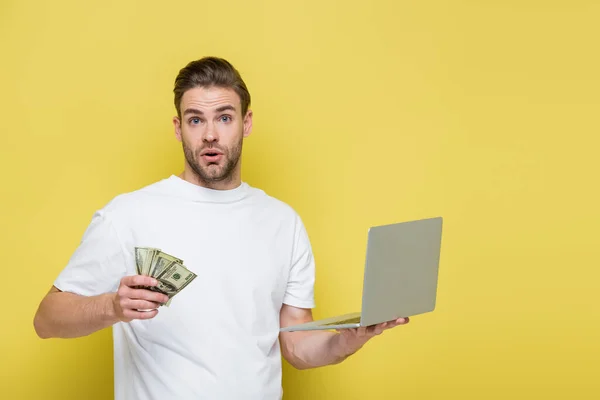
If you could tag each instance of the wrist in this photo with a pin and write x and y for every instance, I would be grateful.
(110, 309)
(345, 345)
(342, 348)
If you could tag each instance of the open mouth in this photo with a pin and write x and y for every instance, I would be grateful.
(212, 156)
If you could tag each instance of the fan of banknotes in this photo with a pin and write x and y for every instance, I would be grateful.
(169, 271)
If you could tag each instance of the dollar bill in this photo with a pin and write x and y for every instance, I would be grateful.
(161, 262)
(141, 254)
(169, 270)
(149, 260)
(174, 279)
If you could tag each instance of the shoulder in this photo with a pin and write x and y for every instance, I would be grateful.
(275, 205)
(128, 202)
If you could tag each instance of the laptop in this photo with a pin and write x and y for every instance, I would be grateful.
(400, 276)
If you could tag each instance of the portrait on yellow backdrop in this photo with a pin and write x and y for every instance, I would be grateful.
(206, 199)
(236, 263)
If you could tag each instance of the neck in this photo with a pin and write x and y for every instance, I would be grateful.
(231, 182)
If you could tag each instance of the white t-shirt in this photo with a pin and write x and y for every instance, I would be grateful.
(218, 339)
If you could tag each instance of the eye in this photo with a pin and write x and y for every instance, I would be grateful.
(195, 120)
(225, 118)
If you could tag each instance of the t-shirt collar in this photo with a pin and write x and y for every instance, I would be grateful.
(200, 193)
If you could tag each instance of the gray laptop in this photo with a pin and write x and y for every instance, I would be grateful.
(400, 278)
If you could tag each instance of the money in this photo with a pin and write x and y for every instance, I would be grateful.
(148, 260)
(140, 258)
(161, 262)
(168, 270)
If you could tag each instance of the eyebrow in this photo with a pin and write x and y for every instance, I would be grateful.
(226, 107)
(192, 111)
(199, 112)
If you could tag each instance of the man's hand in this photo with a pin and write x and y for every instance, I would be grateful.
(311, 349)
(128, 299)
(353, 339)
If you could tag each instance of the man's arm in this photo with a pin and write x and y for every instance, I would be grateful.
(312, 349)
(69, 315)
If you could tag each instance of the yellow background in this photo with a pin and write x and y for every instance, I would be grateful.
(366, 112)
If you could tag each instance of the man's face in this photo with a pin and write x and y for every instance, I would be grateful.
(212, 129)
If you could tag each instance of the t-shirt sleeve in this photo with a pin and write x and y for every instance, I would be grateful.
(98, 263)
(300, 287)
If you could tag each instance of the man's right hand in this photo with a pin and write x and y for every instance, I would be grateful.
(129, 299)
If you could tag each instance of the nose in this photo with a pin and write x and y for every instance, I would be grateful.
(210, 134)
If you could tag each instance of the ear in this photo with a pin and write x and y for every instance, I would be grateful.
(248, 123)
(177, 126)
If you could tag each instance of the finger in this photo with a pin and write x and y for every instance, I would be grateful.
(145, 294)
(138, 280)
(131, 314)
(396, 322)
(139, 305)
(374, 330)
(379, 328)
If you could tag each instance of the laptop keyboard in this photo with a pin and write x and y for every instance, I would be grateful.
(354, 320)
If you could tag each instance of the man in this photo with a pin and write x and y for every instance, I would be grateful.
(219, 339)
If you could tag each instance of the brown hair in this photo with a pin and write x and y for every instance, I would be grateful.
(210, 72)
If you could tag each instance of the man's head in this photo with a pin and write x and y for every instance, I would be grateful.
(213, 117)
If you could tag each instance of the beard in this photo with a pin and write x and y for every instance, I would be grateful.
(213, 172)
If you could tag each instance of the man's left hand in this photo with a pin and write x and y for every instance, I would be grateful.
(352, 339)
